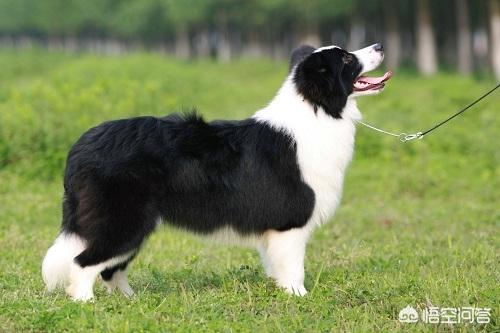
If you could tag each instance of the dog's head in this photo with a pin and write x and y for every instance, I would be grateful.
(328, 76)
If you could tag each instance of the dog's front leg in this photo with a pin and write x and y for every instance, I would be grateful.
(282, 255)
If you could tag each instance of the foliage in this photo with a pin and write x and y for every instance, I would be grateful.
(418, 224)
(160, 19)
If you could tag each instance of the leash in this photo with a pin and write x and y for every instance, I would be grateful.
(403, 137)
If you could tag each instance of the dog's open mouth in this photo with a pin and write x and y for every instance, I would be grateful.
(364, 83)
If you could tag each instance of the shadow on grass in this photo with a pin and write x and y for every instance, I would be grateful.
(191, 280)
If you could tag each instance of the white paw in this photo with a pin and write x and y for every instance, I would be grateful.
(297, 291)
(294, 289)
(80, 294)
(127, 290)
(121, 282)
(110, 287)
(124, 287)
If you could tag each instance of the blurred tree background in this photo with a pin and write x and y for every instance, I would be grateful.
(461, 35)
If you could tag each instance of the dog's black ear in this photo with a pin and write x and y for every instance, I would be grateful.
(299, 54)
(318, 78)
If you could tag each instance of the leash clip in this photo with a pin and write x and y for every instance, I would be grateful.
(403, 137)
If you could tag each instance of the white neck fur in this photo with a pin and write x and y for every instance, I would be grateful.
(324, 144)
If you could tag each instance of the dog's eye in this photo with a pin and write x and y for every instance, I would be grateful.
(348, 59)
(322, 70)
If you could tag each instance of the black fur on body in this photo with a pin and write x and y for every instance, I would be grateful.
(123, 176)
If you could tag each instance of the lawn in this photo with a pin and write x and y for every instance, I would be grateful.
(418, 224)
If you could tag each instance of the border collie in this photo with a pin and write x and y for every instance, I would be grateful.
(267, 181)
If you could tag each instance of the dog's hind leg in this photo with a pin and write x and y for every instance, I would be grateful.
(82, 277)
(283, 258)
(116, 277)
(113, 218)
(82, 282)
(108, 255)
(120, 281)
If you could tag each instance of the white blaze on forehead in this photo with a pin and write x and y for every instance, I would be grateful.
(326, 48)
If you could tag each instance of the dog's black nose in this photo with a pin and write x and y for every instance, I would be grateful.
(378, 47)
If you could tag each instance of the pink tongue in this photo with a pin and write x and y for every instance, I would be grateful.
(375, 80)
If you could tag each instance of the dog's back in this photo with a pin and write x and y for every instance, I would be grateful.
(124, 176)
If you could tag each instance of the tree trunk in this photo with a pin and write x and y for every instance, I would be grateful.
(463, 38)
(253, 47)
(495, 36)
(393, 37)
(223, 45)
(202, 43)
(356, 34)
(182, 47)
(310, 36)
(426, 45)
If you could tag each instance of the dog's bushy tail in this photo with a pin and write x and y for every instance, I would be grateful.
(57, 262)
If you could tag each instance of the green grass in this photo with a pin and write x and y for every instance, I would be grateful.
(418, 225)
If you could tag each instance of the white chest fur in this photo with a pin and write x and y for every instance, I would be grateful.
(324, 145)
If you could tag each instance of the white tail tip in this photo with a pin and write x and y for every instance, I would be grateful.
(57, 262)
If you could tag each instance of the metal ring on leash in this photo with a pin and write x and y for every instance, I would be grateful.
(403, 137)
